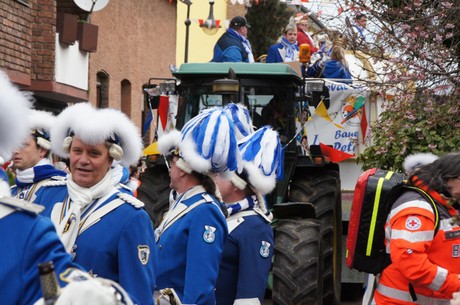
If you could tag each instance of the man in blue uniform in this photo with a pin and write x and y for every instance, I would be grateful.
(195, 223)
(107, 231)
(233, 45)
(33, 167)
(26, 239)
(248, 250)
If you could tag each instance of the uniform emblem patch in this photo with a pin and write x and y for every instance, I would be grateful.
(209, 236)
(413, 223)
(143, 252)
(265, 249)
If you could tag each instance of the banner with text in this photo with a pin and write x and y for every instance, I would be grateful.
(337, 123)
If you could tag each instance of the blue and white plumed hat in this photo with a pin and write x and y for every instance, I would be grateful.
(14, 106)
(206, 144)
(40, 123)
(241, 118)
(94, 126)
(262, 157)
(414, 161)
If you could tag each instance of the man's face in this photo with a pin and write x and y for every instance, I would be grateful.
(225, 186)
(28, 155)
(88, 163)
(453, 186)
(291, 36)
(175, 173)
(243, 31)
(303, 24)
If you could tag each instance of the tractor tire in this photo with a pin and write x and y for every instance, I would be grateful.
(154, 192)
(297, 262)
(321, 187)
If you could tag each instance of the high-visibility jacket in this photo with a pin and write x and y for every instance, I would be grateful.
(425, 257)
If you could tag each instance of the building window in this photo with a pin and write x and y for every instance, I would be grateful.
(102, 90)
(126, 97)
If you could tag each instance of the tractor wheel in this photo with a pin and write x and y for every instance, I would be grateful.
(296, 262)
(321, 187)
(154, 192)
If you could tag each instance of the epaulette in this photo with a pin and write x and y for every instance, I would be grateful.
(54, 183)
(131, 200)
(207, 197)
(21, 205)
(121, 185)
(58, 178)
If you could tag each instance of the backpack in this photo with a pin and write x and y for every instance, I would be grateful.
(375, 192)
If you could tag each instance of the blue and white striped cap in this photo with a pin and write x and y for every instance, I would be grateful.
(206, 144)
(241, 118)
(262, 156)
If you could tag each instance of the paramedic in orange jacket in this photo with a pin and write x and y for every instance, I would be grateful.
(425, 264)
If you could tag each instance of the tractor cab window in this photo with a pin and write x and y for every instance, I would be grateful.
(266, 105)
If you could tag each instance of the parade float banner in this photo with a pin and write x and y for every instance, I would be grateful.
(339, 123)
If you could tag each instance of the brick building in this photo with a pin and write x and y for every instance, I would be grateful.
(64, 55)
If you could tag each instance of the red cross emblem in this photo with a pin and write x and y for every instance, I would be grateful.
(413, 223)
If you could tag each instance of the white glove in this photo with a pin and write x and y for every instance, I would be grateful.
(83, 289)
(455, 298)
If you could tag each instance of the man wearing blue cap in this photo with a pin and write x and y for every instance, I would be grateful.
(248, 250)
(195, 224)
(107, 231)
(33, 167)
(233, 45)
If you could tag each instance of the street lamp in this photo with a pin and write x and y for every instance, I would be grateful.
(187, 28)
(210, 26)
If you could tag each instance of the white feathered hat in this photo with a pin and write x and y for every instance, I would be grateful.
(94, 126)
(206, 144)
(14, 106)
(241, 118)
(262, 156)
(414, 161)
(40, 123)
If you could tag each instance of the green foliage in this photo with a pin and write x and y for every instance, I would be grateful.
(267, 20)
(419, 125)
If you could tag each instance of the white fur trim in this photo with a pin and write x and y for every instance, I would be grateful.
(94, 126)
(14, 106)
(168, 141)
(260, 182)
(187, 150)
(41, 120)
(414, 161)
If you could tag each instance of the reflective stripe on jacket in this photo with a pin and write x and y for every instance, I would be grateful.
(422, 256)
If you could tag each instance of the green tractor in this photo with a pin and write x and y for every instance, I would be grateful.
(306, 204)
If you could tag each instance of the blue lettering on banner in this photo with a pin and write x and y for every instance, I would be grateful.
(349, 148)
(346, 134)
(334, 87)
(315, 140)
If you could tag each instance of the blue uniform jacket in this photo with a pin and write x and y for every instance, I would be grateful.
(229, 48)
(189, 251)
(246, 260)
(42, 174)
(27, 240)
(120, 247)
(274, 55)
